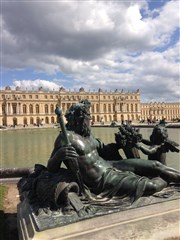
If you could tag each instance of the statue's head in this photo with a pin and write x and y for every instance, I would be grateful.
(159, 134)
(78, 117)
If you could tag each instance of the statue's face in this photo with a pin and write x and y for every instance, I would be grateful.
(82, 126)
(78, 117)
(159, 134)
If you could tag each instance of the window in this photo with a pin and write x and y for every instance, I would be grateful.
(31, 108)
(3, 109)
(24, 108)
(46, 108)
(52, 108)
(37, 108)
(131, 107)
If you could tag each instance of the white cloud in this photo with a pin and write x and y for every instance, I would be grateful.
(133, 19)
(109, 44)
(36, 84)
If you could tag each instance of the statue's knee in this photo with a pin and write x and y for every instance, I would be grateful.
(151, 188)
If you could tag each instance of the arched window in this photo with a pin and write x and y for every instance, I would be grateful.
(31, 120)
(93, 118)
(37, 108)
(136, 107)
(131, 107)
(4, 122)
(52, 119)
(24, 108)
(3, 109)
(46, 120)
(109, 107)
(52, 108)
(15, 121)
(30, 108)
(46, 108)
(25, 121)
(38, 119)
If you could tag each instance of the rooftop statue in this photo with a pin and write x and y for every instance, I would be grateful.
(83, 173)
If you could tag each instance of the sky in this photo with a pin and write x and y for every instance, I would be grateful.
(110, 45)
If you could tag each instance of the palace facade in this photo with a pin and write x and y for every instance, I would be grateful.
(158, 111)
(18, 107)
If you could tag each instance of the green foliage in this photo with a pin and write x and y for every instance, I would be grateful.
(3, 190)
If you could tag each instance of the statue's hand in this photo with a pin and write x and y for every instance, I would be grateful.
(138, 145)
(67, 153)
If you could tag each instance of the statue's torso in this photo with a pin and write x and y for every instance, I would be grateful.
(91, 164)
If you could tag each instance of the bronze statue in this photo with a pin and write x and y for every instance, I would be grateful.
(99, 166)
(158, 145)
(95, 181)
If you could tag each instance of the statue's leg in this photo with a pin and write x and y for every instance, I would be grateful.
(155, 185)
(138, 166)
(148, 168)
(167, 173)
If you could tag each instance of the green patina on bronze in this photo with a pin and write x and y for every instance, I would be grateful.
(96, 179)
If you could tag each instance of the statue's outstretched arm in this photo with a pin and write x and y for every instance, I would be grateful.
(146, 150)
(146, 141)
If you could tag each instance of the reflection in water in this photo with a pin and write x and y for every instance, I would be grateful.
(24, 148)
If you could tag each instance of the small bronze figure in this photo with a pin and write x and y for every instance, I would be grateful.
(158, 145)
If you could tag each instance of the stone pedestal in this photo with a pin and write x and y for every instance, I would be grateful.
(158, 221)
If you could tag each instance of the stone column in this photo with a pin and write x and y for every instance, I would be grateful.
(27, 108)
(17, 108)
(20, 108)
(10, 110)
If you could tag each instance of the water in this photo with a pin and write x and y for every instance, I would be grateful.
(24, 148)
